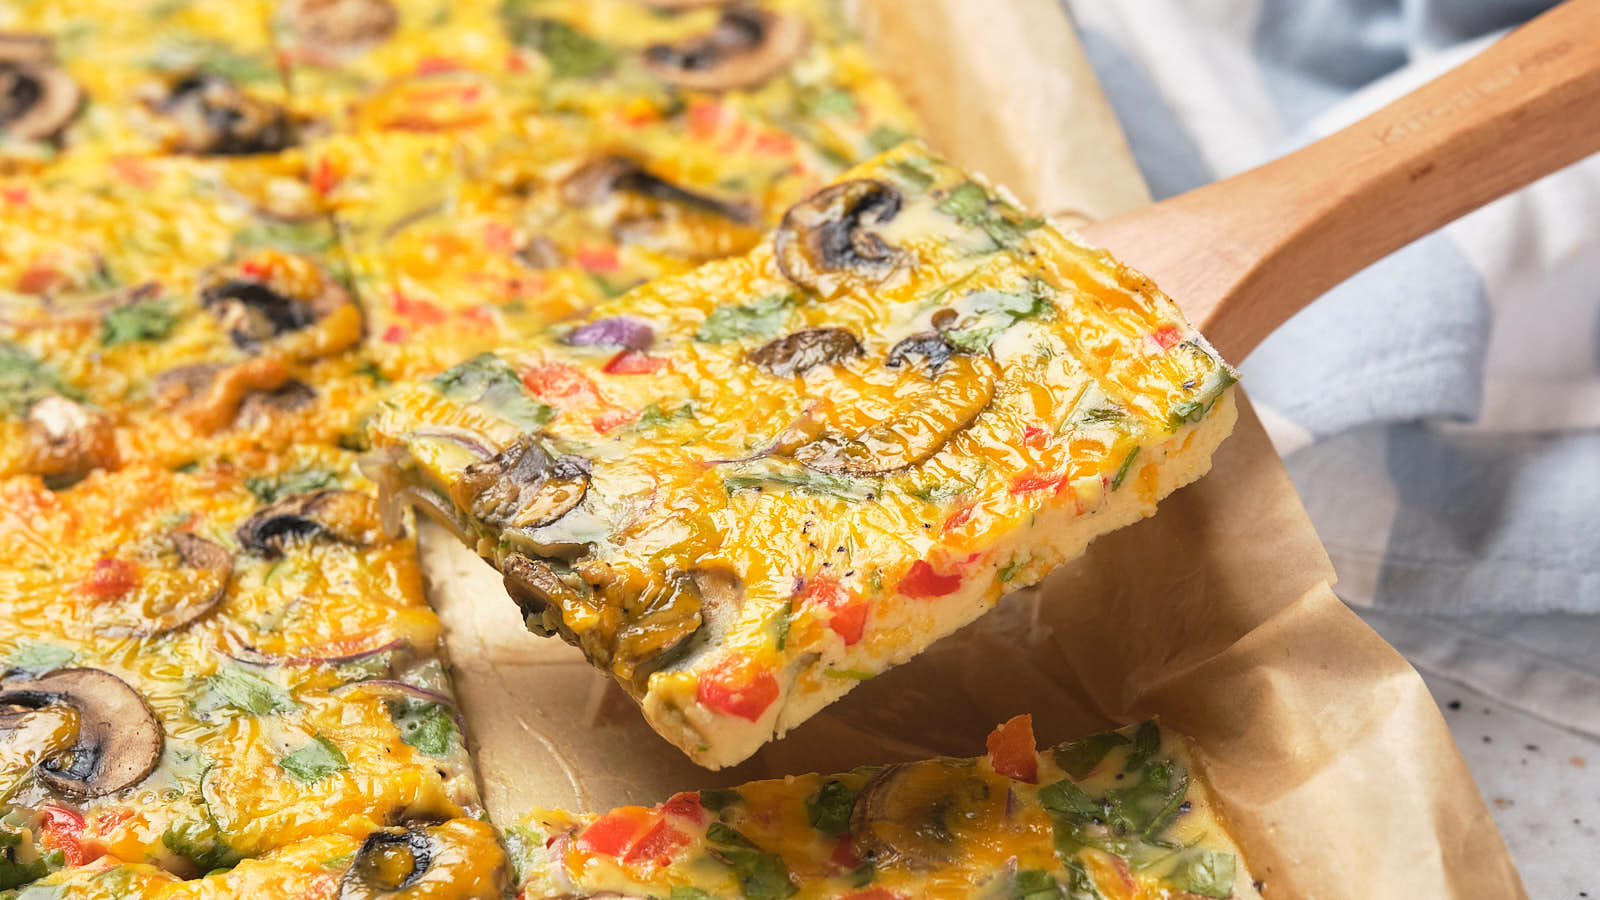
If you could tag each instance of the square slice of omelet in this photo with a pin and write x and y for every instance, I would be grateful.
(1119, 814)
(743, 490)
(218, 665)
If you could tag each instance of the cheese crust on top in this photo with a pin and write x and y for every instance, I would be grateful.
(1123, 814)
(743, 490)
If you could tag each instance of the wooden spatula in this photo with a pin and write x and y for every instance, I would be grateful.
(1243, 255)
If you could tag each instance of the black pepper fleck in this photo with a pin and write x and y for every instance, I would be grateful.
(1454, 704)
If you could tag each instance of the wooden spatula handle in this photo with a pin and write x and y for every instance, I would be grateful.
(1243, 255)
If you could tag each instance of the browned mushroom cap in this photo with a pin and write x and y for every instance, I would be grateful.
(825, 244)
(207, 114)
(798, 353)
(389, 862)
(917, 814)
(522, 486)
(186, 577)
(254, 312)
(37, 98)
(119, 738)
(261, 407)
(598, 179)
(926, 419)
(747, 47)
(542, 593)
(343, 26)
(207, 395)
(424, 862)
(349, 517)
(676, 5)
(67, 440)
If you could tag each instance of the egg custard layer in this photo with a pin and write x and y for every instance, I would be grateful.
(1123, 814)
(743, 490)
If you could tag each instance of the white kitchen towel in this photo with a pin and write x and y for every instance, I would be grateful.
(1440, 412)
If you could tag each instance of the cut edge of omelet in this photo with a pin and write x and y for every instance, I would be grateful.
(1055, 536)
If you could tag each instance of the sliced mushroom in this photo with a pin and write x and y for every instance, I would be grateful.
(718, 596)
(825, 243)
(802, 351)
(425, 862)
(747, 47)
(119, 739)
(916, 814)
(66, 439)
(924, 421)
(522, 486)
(255, 312)
(349, 517)
(599, 179)
(389, 861)
(186, 578)
(209, 115)
(929, 346)
(540, 253)
(343, 27)
(542, 594)
(37, 97)
(261, 407)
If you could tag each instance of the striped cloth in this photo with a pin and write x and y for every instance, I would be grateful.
(1439, 412)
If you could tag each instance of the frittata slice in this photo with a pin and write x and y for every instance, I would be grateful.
(158, 307)
(743, 490)
(139, 77)
(202, 667)
(1121, 814)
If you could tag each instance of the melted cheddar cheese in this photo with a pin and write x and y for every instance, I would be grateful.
(743, 490)
(1122, 815)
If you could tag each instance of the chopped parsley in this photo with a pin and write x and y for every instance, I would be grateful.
(758, 318)
(239, 689)
(271, 489)
(761, 875)
(829, 808)
(24, 380)
(972, 205)
(490, 380)
(147, 320)
(989, 313)
(570, 52)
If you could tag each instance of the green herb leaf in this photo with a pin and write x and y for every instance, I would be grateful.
(1122, 470)
(200, 842)
(246, 691)
(1066, 797)
(829, 809)
(804, 481)
(719, 833)
(290, 237)
(1036, 884)
(1146, 744)
(762, 876)
(16, 866)
(653, 416)
(759, 318)
(315, 760)
(914, 174)
(271, 489)
(1190, 411)
(986, 314)
(781, 621)
(37, 659)
(1010, 570)
(972, 205)
(570, 52)
(1080, 757)
(489, 380)
(425, 726)
(25, 380)
(886, 137)
(1208, 873)
(719, 799)
(149, 320)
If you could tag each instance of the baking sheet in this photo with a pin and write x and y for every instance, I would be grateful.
(1327, 753)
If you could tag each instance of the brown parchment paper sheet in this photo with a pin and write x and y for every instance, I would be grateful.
(1326, 751)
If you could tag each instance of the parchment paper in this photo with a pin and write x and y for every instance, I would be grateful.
(1326, 751)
